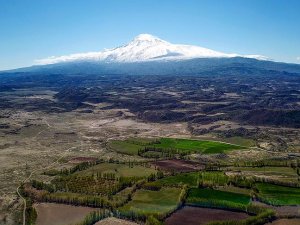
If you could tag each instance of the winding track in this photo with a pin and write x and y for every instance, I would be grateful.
(28, 178)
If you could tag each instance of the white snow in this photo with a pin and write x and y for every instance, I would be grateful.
(145, 47)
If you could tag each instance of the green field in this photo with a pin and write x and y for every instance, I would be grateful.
(278, 195)
(189, 179)
(131, 147)
(186, 145)
(120, 170)
(125, 147)
(146, 201)
(215, 197)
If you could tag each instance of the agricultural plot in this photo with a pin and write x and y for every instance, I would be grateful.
(142, 190)
(197, 146)
(278, 195)
(200, 216)
(177, 165)
(125, 147)
(214, 198)
(101, 179)
(86, 184)
(96, 185)
(285, 222)
(59, 214)
(166, 146)
(189, 179)
(120, 170)
(287, 174)
(148, 202)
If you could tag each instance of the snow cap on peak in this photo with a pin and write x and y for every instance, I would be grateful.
(148, 38)
(145, 47)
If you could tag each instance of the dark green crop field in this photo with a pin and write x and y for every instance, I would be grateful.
(203, 196)
(278, 195)
(189, 179)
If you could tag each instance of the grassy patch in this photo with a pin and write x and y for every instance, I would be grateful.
(125, 147)
(186, 145)
(120, 170)
(278, 195)
(241, 141)
(146, 201)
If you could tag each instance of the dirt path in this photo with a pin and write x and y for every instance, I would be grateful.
(28, 178)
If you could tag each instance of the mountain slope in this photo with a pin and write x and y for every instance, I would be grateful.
(200, 66)
(145, 47)
(149, 55)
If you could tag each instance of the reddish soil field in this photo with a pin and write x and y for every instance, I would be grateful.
(283, 211)
(59, 214)
(285, 222)
(200, 216)
(178, 165)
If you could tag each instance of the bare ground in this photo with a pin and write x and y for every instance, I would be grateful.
(177, 165)
(200, 216)
(285, 222)
(59, 214)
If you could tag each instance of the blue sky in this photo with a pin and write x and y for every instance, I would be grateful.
(35, 29)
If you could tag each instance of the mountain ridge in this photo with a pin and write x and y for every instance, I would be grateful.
(146, 47)
(149, 55)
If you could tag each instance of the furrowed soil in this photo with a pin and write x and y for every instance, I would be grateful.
(178, 165)
(59, 214)
(200, 216)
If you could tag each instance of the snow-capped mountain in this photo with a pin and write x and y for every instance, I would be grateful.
(149, 55)
(145, 47)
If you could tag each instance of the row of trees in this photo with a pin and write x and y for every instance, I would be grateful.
(85, 165)
(82, 199)
(269, 162)
(30, 212)
(95, 216)
(143, 143)
(163, 152)
(213, 179)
